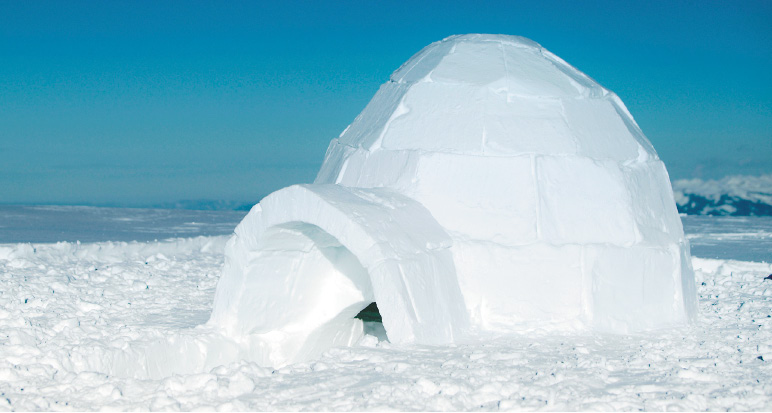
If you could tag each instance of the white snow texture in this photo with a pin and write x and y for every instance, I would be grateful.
(487, 187)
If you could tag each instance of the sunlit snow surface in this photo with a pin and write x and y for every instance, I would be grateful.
(74, 320)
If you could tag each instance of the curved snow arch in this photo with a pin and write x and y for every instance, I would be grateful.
(395, 239)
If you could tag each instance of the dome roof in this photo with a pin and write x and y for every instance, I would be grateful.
(493, 95)
(503, 140)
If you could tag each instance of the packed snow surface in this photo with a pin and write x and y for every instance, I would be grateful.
(77, 320)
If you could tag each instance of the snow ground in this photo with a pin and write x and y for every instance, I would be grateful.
(54, 223)
(75, 320)
(737, 238)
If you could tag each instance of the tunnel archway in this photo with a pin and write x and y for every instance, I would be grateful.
(345, 238)
(326, 278)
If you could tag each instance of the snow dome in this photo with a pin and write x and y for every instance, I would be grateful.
(488, 186)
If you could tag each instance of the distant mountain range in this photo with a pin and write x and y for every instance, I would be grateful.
(732, 195)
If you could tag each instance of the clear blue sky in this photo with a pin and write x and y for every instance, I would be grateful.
(141, 102)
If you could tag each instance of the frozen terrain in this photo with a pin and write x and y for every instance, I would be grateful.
(76, 318)
(53, 223)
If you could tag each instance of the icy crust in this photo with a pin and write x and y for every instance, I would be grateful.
(308, 258)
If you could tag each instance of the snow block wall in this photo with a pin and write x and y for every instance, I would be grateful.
(488, 186)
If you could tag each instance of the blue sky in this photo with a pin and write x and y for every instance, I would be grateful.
(136, 103)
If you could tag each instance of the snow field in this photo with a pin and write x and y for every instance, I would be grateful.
(93, 311)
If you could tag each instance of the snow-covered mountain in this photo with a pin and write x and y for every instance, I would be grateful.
(731, 195)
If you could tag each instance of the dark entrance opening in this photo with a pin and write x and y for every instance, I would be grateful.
(370, 314)
(373, 323)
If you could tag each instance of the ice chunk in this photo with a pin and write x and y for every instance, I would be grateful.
(529, 73)
(502, 187)
(600, 131)
(478, 63)
(525, 125)
(633, 287)
(420, 65)
(438, 117)
(653, 206)
(368, 127)
(520, 286)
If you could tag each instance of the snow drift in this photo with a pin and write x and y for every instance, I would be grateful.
(488, 186)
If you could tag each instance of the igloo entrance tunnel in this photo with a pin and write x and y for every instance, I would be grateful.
(487, 186)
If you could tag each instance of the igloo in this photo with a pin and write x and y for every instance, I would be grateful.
(488, 186)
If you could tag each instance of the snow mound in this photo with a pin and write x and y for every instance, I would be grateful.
(488, 186)
(731, 195)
